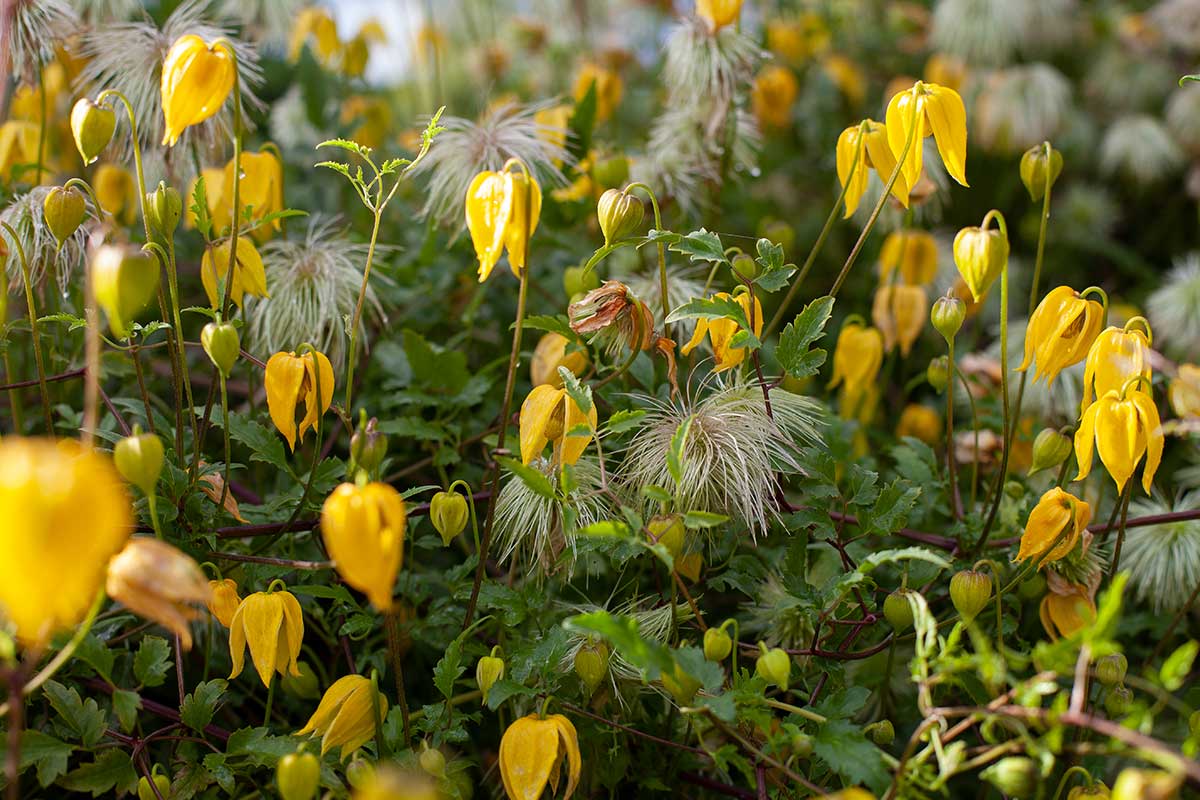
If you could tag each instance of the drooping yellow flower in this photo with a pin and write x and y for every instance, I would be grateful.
(1057, 514)
(721, 331)
(502, 210)
(18, 146)
(981, 256)
(1184, 393)
(1116, 356)
(65, 512)
(846, 76)
(373, 116)
(271, 624)
(390, 783)
(773, 95)
(946, 70)
(116, 191)
(160, 583)
(224, 600)
(609, 88)
(913, 253)
(900, 313)
(214, 182)
(718, 13)
(531, 755)
(552, 124)
(260, 189)
(1060, 332)
(921, 422)
(345, 717)
(315, 27)
(548, 416)
(363, 529)
(550, 354)
(856, 357)
(1123, 426)
(798, 39)
(924, 109)
(196, 80)
(1067, 607)
(869, 142)
(249, 274)
(291, 379)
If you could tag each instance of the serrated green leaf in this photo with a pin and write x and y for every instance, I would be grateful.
(152, 661)
(125, 705)
(701, 245)
(794, 353)
(111, 771)
(703, 519)
(200, 705)
(82, 717)
(842, 745)
(625, 420)
(49, 754)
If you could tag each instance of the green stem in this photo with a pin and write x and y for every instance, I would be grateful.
(358, 307)
(975, 429)
(1124, 501)
(152, 500)
(951, 469)
(31, 309)
(396, 661)
(812, 716)
(14, 396)
(180, 348)
(381, 745)
(225, 431)
(662, 250)
(270, 700)
(1062, 784)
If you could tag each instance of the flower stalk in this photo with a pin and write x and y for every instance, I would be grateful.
(31, 309)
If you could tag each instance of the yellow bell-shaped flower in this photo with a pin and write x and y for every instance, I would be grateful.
(363, 529)
(1067, 607)
(981, 255)
(857, 357)
(773, 95)
(868, 141)
(502, 211)
(1060, 332)
(900, 313)
(924, 109)
(345, 717)
(921, 422)
(1116, 356)
(548, 416)
(65, 512)
(1184, 393)
(550, 354)
(1057, 514)
(197, 77)
(18, 146)
(160, 583)
(721, 331)
(291, 379)
(609, 88)
(260, 188)
(314, 26)
(718, 13)
(912, 253)
(224, 600)
(116, 191)
(271, 624)
(531, 754)
(1123, 426)
(249, 274)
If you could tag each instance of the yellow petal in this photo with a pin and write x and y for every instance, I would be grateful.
(331, 701)
(354, 723)
(520, 218)
(1116, 437)
(488, 208)
(905, 123)
(262, 617)
(1151, 428)
(282, 380)
(572, 447)
(196, 80)
(881, 157)
(237, 641)
(948, 119)
(528, 750)
(536, 412)
(1085, 441)
(698, 334)
(852, 167)
(570, 741)
(293, 628)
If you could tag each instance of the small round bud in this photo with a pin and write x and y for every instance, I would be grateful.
(298, 776)
(778, 232)
(1015, 776)
(970, 592)
(681, 685)
(488, 670)
(146, 792)
(1039, 170)
(449, 513)
(432, 760)
(1050, 448)
(1118, 701)
(1110, 670)
(368, 447)
(1031, 588)
(576, 281)
(774, 666)
(717, 644)
(64, 210)
(947, 315)
(668, 530)
(980, 254)
(609, 172)
(745, 267)
(1146, 784)
(163, 210)
(591, 665)
(139, 459)
(801, 745)
(938, 373)
(897, 610)
(92, 126)
(304, 685)
(882, 733)
(124, 280)
(222, 345)
(620, 214)
(359, 773)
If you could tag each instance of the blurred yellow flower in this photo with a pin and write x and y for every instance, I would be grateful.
(773, 95)
(18, 146)
(928, 108)
(316, 28)
(196, 80)
(271, 624)
(550, 354)
(531, 754)
(502, 210)
(1060, 332)
(374, 118)
(159, 582)
(260, 189)
(224, 600)
(1067, 607)
(1184, 393)
(249, 274)
(721, 331)
(116, 191)
(868, 141)
(609, 88)
(946, 70)
(856, 357)
(798, 39)
(718, 13)
(552, 124)
(1123, 426)
(214, 182)
(291, 379)
(847, 76)
(913, 253)
(900, 313)
(921, 422)
(388, 783)
(363, 529)
(345, 717)
(52, 556)
(1056, 514)
(1116, 356)
(548, 416)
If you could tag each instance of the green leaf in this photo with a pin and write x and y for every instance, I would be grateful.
(622, 633)
(70, 320)
(608, 527)
(675, 454)
(265, 445)
(890, 512)
(773, 274)
(200, 208)
(111, 771)
(538, 483)
(125, 705)
(882, 557)
(719, 308)
(703, 519)
(797, 337)
(152, 661)
(582, 124)
(450, 666)
(49, 754)
(701, 245)
(582, 395)
(435, 369)
(625, 420)
(262, 749)
(82, 717)
(96, 655)
(503, 689)
(1178, 666)
(199, 706)
(552, 324)
(842, 745)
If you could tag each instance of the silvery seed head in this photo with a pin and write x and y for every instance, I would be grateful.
(1163, 560)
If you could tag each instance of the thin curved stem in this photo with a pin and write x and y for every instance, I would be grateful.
(662, 250)
(225, 431)
(951, 469)
(1116, 559)
(352, 359)
(31, 309)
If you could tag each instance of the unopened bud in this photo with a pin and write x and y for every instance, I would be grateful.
(1050, 449)
(717, 644)
(778, 232)
(1146, 784)
(298, 776)
(163, 210)
(449, 513)
(368, 447)
(139, 459)
(92, 126)
(1015, 776)
(222, 345)
(591, 665)
(1110, 670)
(970, 592)
(882, 733)
(1118, 701)
(613, 171)
(667, 530)
(947, 316)
(488, 670)
(745, 267)
(938, 373)
(146, 792)
(64, 210)
(432, 760)
(1039, 171)
(620, 214)
(124, 280)
(897, 610)
(980, 254)
(774, 666)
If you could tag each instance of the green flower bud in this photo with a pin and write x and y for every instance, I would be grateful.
(774, 666)
(681, 685)
(938, 373)
(778, 232)
(298, 776)
(92, 126)
(304, 685)
(1037, 167)
(609, 172)
(744, 266)
(591, 665)
(368, 448)
(488, 670)
(139, 459)
(578, 282)
(64, 210)
(980, 254)
(1111, 669)
(620, 214)
(717, 644)
(432, 760)
(668, 530)
(947, 315)
(146, 792)
(124, 280)
(163, 210)
(1050, 449)
(1146, 784)
(897, 611)
(970, 592)
(359, 773)
(222, 345)
(449, 513)
(882, 733)
(1118, 701)
(801, 745)
(1015, 776)
(1032, 588)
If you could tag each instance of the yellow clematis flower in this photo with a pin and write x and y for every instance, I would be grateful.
(160, 583)
(52, 556)
(18, 146)
(798, 39)
(1057, 514)
(363, 529)
(900, 313)
(224, 600)
(553, 124)
(869, 142)
(249, 274)
(502, 211)
(920, 422)
(609, 88)
(260, 188)
(197, 78)
(856, 357)
(271, 624)
(946, 70)
(721, 331)
(1184, 393)
(718, 13)
(773, 95)
(548, 416)
(981, 256)
(913, 253)
(924, 109)
(846, 76)
(1060, 332)
(345, 717)
(1067, 607)
(315, 27)
(531, 755)
(291, 379)
(116, 191)
(550, 354)
(1116, 356)
(1123, 426)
